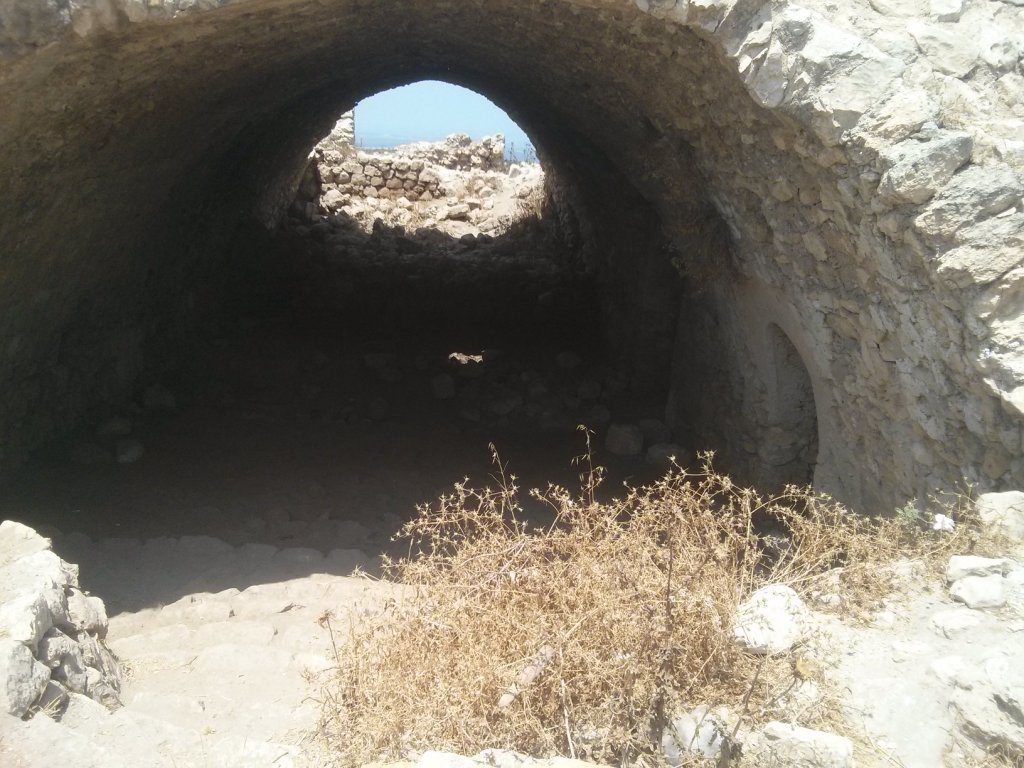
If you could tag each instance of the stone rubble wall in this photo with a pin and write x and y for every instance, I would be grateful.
(379, 175)
(410, 170)
(51, 633)
(423, 185)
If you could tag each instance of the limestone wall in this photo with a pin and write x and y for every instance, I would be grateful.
(849, 174)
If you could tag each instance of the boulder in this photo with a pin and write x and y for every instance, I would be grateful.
(22, 678)
(772, 621)
(789, 746)
(696, 733)
(1003, 514)
(921, 165)
(971, 565)
(992, 717)
(18, 541)
(26, 618)
(88, 614)
(954, 621)
(979, 591)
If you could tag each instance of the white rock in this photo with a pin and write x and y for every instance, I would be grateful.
(88, 614)
(903, 8)
(974, 194)
(694, 733)
(946, 10)
(35, 573)
(433, 759)
(773, 620)
(71, 671)
(971, 565)
(624, 440)
(999, 49)
(26, 618)
(947, 49)
(979, 591)
(954, 671)
(918, 167)
(54, 646)
(992, 717)
(788, 746)
(17, 541)
(1003, 513)
(952, 622)
(22, 678)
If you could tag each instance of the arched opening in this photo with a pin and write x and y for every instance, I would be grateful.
(376, 320)
(790, 447)
(695, 161)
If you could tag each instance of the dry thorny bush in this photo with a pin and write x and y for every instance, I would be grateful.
(582, 637)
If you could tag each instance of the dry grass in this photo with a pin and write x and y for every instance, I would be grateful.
(582, 637)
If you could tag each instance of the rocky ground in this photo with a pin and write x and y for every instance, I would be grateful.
(226, 674)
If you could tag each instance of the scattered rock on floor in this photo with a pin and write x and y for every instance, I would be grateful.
(979, 591)
(772, 621)
(788, 746)
(971, 565)
(990, 710)
(693, 733)
(1003, 513)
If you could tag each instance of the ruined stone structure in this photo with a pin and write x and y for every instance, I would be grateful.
(840, 187)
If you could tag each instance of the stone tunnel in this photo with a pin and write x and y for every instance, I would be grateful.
(806, 219)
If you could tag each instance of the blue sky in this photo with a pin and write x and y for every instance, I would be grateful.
(429, 111)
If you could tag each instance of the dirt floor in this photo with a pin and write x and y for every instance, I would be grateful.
(294, 431)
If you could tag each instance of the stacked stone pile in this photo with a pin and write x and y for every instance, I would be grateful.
(51, 633)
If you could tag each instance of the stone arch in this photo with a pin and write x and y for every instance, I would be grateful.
(791, 444)
(844, 151)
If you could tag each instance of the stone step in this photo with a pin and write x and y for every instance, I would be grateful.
(252, 690)
(138, 739)
(280, 603)
(43, 742)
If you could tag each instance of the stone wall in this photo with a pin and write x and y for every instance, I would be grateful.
(51, 633)
(380, 175)
(848, 174)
